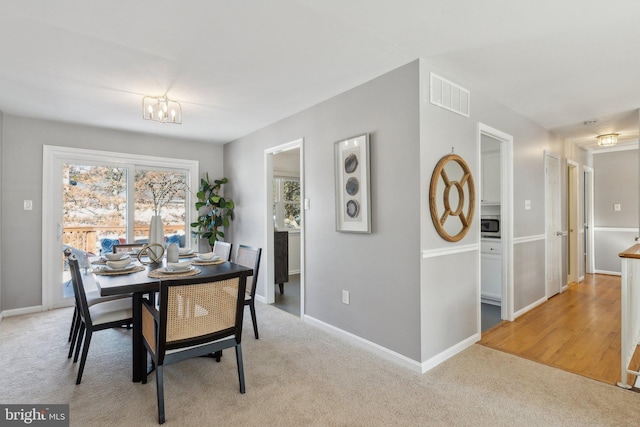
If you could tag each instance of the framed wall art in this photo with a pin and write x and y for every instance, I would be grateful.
(353, 197)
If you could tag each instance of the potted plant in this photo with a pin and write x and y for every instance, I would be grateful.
(214, 211)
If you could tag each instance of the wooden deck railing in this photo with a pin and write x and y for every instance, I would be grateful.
(88, 238)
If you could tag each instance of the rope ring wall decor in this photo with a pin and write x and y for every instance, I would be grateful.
(452, 198)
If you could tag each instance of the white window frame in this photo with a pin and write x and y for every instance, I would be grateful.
(53, 158)
(280, 203)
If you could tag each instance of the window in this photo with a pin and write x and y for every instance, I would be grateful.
(286, 203)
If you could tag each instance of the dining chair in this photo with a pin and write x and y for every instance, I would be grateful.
(222, 249)
(93, 297)
(193, 319)
(98, 317)
(249, 256)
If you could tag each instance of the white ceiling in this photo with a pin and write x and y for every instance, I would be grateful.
(239, 65)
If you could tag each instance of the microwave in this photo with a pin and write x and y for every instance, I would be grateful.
(490, 226)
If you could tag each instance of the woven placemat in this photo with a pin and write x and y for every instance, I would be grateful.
(105, 272)
(160, 274)
(202, 262)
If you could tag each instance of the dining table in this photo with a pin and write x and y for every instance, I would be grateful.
(145, 279)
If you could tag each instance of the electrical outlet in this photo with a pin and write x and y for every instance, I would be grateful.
(345, 297)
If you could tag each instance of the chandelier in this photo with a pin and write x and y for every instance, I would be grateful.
(608, 140)
(161, 109)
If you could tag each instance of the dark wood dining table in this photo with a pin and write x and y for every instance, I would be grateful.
(140, 284)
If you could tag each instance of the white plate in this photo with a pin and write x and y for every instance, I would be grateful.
(214, 258)
(184, 270)
(125, 268)
(123, 256)
(189, 252)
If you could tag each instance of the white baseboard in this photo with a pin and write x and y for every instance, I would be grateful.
(1, 316)
(260, 298)
(611, 273)
(450, 352)
(492, 299)
(21, 311)
(375, 348)
(294, 271)
(529, 307)
(390, 354)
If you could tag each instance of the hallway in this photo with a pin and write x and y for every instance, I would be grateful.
(577, 331)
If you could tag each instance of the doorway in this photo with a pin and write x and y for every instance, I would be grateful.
(573, 251)
(495, 296)
(553, 280)
(589, 258)
(284, 173)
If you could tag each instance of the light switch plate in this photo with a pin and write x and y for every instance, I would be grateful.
(617, 207)
(345, 297)
(28, 205)
(527, 205)
(306, 204)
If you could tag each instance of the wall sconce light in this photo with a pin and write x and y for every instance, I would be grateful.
(161, 109)
(608, 140)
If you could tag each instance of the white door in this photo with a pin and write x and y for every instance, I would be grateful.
(553, 225)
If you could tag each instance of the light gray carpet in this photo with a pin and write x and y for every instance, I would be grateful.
(297, 375)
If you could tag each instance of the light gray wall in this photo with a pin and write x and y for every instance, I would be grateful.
(615, 178)
(418, 308)
(616, 181)
(22, 179)
(441, 282)
(1, 180)
(381, 269)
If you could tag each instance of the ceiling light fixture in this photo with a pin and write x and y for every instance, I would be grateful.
(161, 109)
(608, 139)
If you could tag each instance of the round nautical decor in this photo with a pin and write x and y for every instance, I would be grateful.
(452, 198)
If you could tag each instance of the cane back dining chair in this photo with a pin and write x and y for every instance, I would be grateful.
(193, 319)
(222, 249)
(93, 298)
(105, 315)
(249, 256)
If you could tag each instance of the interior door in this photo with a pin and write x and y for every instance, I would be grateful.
(553, 225)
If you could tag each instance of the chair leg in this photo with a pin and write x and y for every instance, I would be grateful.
(85, 351)
(74, 320)
(252, 308)
(81, 337)
(75, 337)
(240, 367)
(160, 393)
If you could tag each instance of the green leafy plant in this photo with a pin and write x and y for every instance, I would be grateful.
(214, 211)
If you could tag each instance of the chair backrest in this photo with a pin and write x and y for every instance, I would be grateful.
(192, 314)
(222, 249)
(78, 290)
(128, 247)
(249, 256)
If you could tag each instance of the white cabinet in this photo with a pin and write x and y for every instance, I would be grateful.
(491, 269)
(490, 189)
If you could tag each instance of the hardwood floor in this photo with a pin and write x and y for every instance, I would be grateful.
(577, 331)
